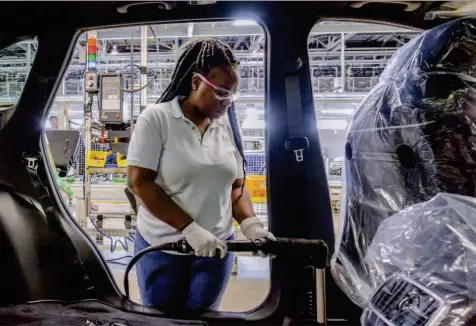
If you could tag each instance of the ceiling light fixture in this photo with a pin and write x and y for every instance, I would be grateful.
(331, 124)
(114, 50)
(336, 111)
(244, 23)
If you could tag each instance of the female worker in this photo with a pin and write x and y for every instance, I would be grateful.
(186, 166)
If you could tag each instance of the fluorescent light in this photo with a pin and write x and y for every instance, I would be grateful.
(244, 23)
(336, 111)
(190, 30)
(252, 124)
(114, 50)
(331, 124)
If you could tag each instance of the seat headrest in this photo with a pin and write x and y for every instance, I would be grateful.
(6, 112)
(449, 48)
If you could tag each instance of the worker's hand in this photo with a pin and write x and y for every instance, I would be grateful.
(252, 229)
(203, 242)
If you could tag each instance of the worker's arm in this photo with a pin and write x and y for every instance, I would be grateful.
(242, 205)
(143, 156)
(141, 182)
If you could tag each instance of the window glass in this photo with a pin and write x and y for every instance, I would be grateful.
(111, 222)
(15, 65)
(346, 60)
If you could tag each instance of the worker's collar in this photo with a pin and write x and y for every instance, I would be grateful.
(177, 112)
(175, 107)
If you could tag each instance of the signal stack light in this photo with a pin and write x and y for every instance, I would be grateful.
(92, 51)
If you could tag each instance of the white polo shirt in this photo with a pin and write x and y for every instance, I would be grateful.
(197, 173)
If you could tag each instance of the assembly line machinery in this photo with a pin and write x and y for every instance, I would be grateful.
(110, 133)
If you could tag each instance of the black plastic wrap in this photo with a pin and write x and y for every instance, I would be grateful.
(413, 137)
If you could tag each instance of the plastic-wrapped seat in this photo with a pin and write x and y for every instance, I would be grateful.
(425, 257)
(413, 137)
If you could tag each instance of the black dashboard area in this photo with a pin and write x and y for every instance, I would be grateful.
(88, 312)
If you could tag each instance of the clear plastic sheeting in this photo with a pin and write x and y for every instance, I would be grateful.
(434, 243)
(414, 136)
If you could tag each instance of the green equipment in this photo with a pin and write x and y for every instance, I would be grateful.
(63, 187)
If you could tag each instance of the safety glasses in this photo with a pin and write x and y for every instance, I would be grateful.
(220, 93)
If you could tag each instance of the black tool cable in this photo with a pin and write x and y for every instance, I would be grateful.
(315, 250)
(167, 246)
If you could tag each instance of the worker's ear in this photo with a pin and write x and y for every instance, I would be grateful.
(195, 82)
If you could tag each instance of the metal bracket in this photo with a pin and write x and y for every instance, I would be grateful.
(293, 65)
(167, 5)
(32, 162)
(87, 108)
(410, 5)
(299, 153)
(297, 145)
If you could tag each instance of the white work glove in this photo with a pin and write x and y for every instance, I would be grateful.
(252, 229)
(204, 243)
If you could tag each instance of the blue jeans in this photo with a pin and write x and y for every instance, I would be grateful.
(178, 283)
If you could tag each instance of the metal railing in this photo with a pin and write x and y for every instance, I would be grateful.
(360, 84)
(352, 84)
(11, 89)
(248, 86)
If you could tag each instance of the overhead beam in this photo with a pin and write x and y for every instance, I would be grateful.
(164, 56)
(165, 45)
(28, 55)
(397, 40)
(239, 40)
(206, 30)
(181, 31)
(331, 42)
(255, 45)
(118, 61)
(337, 45)
(352, 27)
(23, 46)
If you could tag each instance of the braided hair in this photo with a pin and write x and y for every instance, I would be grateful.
(200, 57)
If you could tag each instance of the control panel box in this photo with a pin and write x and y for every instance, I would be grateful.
(111, 108)
(91, 82)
